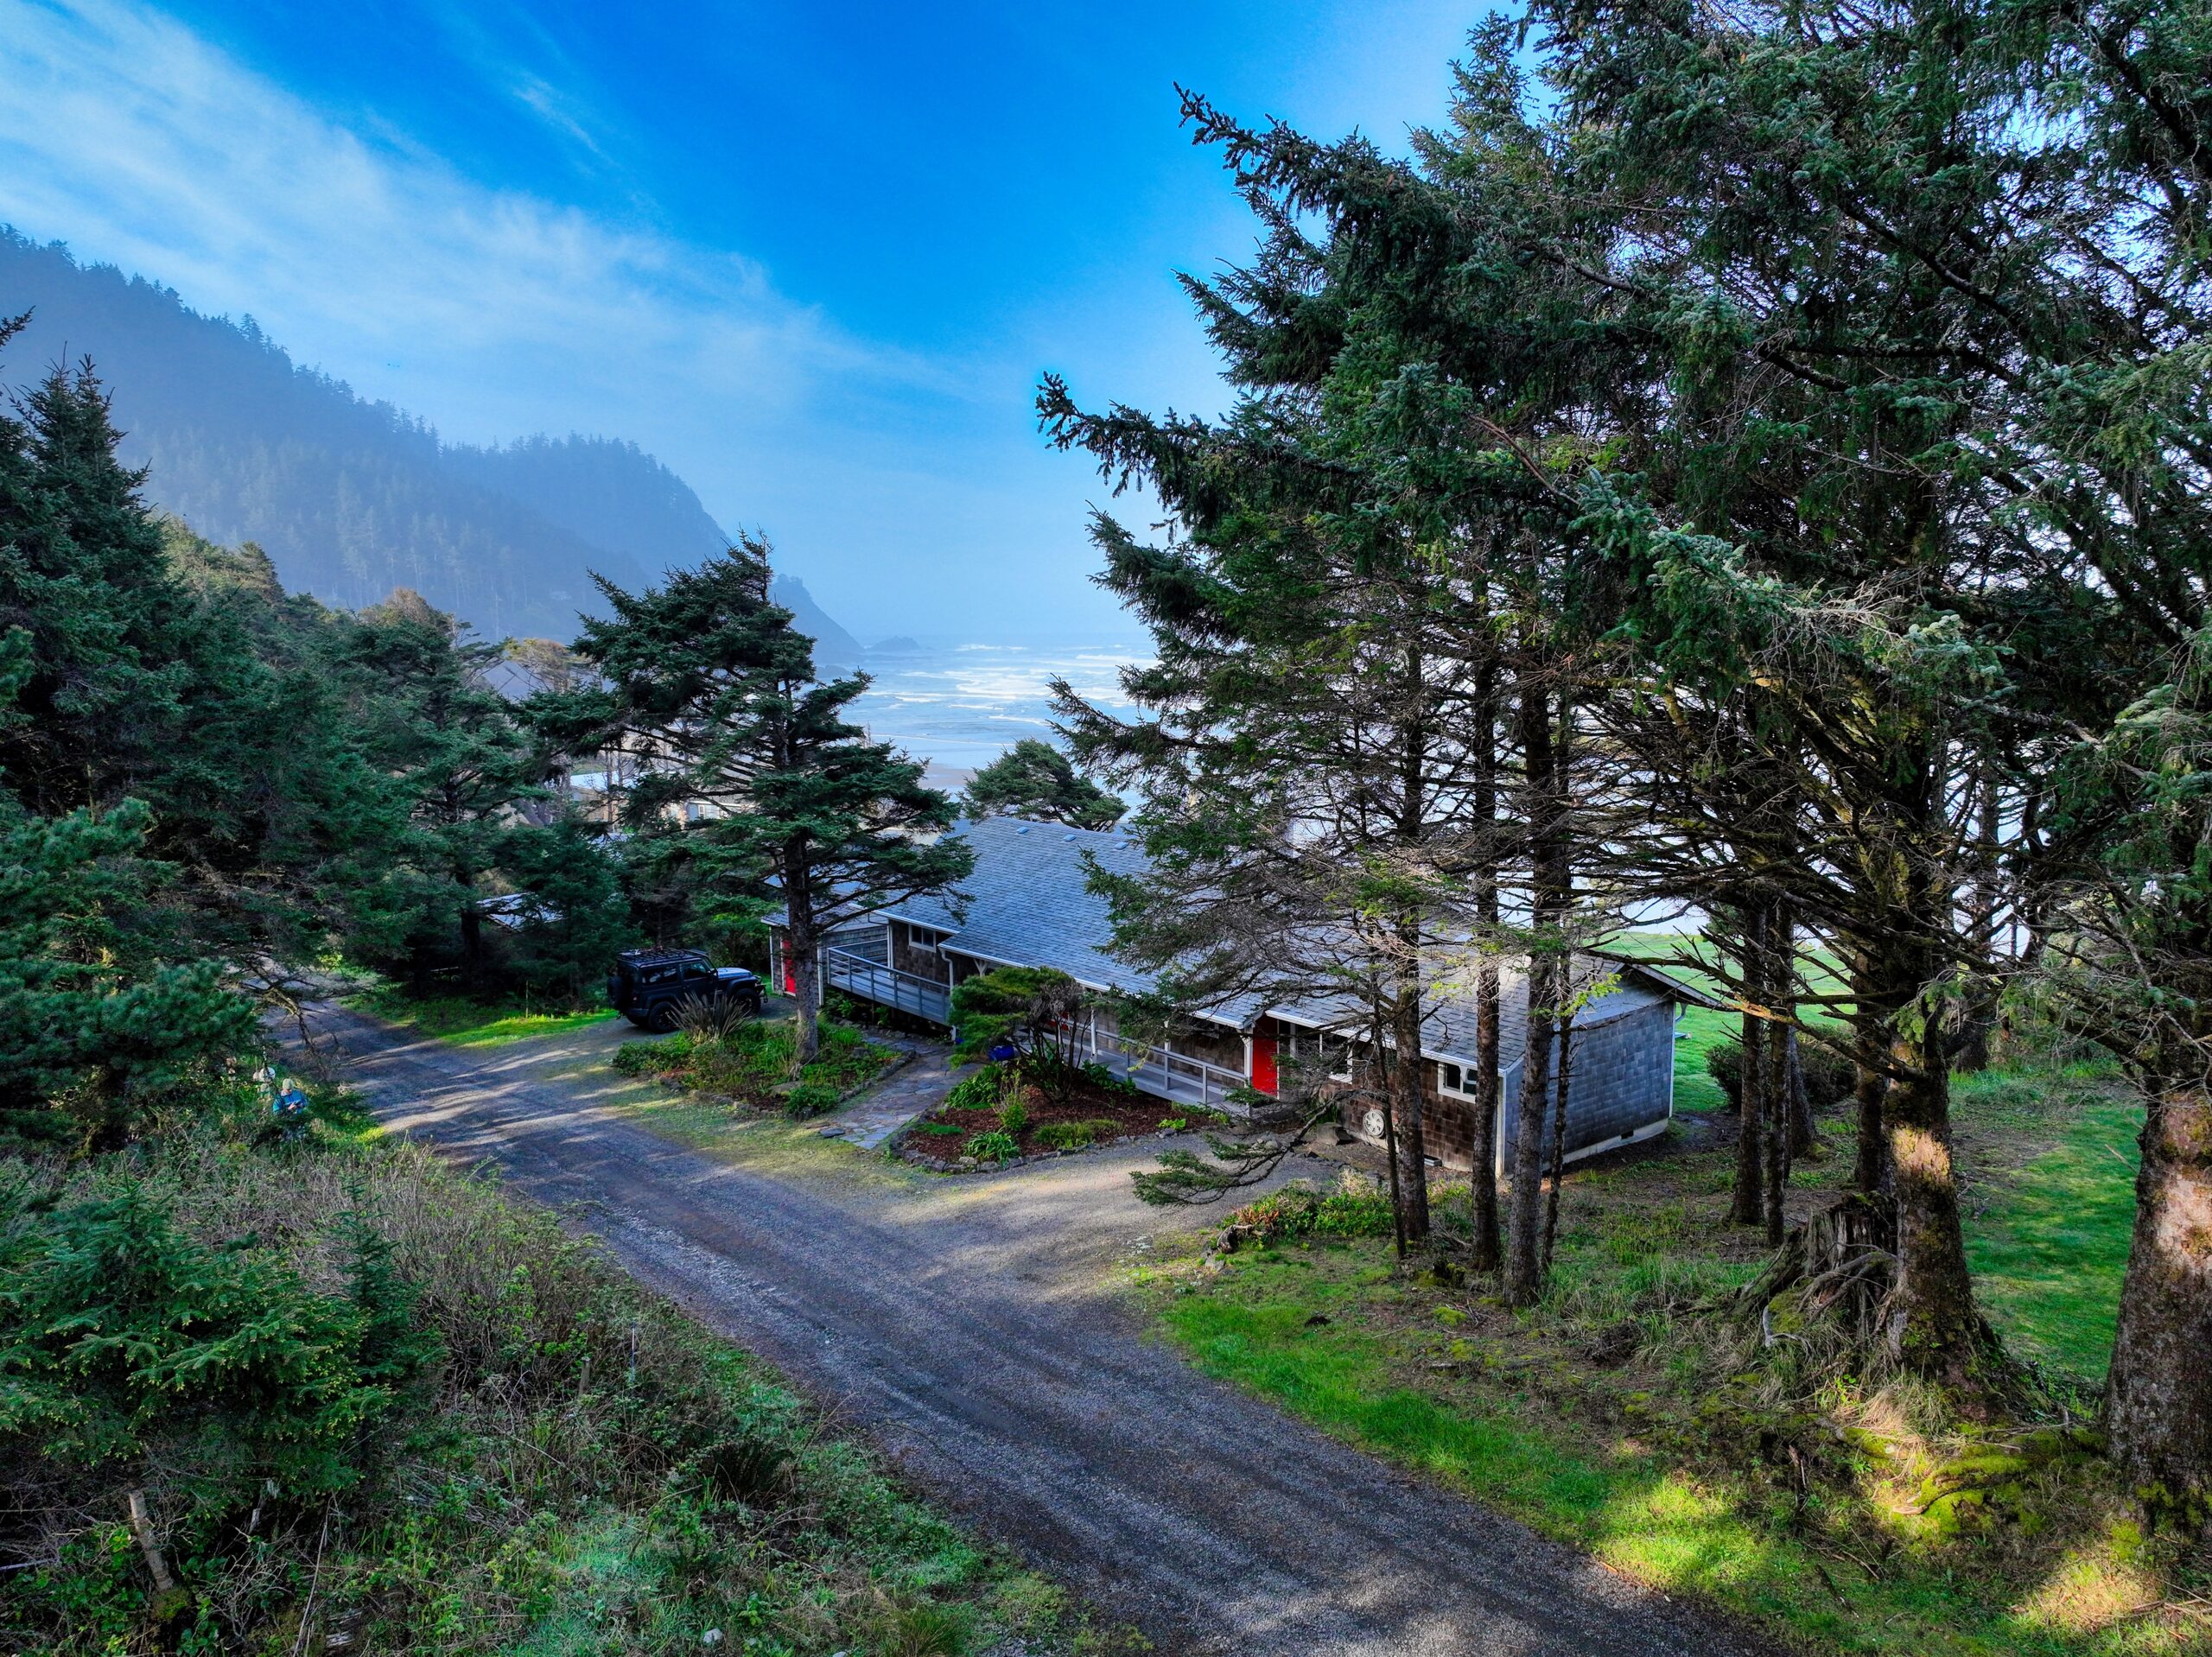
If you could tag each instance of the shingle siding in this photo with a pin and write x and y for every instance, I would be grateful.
(1620, 1084)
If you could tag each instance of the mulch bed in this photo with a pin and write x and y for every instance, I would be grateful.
(1132, 1116)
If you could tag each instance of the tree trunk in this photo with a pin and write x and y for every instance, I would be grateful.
(1405, 1076)
(1489, 1252)
(1870, 1172)
(1524, 1283)
(1934, 1330)
(1803, 1138)
(1550, 895)
(2158, 1402)
(804, 947)
(1390, 1160)
(1558, 1138)
(1410, 1146)
(472, 938)
(1777, 1095)
(1747, 1204)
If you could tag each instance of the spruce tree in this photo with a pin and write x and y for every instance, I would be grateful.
(1034, 779)
(459, 758)
(710, 690)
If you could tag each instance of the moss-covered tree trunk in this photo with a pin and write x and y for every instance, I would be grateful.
(1933, 1327)
(2158, 1402)
(1524, 1240)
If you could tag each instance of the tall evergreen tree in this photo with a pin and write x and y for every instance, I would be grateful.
(1034, 779)
(460, 758)
(710, 691)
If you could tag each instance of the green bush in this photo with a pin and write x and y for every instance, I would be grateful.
(981, 1091)
(1013, 1117)
(754, 1061)
(1107, 1081)
(1297, 1210)
(209, 1317)
(121, 1336)
(993, 1147)
(651, 1058)
(1074, 1136)
(1829, 1076)
(809, 1098)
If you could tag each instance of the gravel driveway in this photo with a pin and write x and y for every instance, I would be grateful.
(967, 1327)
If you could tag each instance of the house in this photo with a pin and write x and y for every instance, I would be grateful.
(1028, 903)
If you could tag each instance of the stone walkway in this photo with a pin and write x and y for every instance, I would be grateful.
(868, 1120)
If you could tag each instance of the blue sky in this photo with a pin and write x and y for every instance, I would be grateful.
(815, 257)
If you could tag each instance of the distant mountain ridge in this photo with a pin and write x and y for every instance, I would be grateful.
(350, 497)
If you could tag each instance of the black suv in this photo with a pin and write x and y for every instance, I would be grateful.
(647, 986)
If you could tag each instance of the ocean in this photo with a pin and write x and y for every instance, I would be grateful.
(962, 708)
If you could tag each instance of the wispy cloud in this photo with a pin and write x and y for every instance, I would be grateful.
(125, 132)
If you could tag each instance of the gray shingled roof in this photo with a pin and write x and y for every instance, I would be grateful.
(1028, 902)
(1028, 905)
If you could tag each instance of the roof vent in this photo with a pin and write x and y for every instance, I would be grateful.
(1023, 830)
(1067, 836)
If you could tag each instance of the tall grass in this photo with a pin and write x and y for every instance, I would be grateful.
(580, 1468)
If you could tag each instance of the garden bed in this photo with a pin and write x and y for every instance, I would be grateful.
(997, 1116)
(751, 1065)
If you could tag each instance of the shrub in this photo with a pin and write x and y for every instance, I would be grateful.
(993, 1147)
(1829, 1076)
(1073, 1136)
(809, 1099)
(978, 1092)
(1297, 1210)
(122, 1334)
(707, 1021)
(1107, 1081)
(651, 1058)
(1014, 1117)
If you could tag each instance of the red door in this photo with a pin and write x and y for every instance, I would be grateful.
(1263, 1057)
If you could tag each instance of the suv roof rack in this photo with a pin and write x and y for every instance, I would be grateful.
(654, 957)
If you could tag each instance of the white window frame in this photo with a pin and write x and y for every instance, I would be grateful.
(1460, 1092)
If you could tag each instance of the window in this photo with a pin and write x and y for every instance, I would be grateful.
(1458, 1080)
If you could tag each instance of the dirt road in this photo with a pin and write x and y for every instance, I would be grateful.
(967, 1326)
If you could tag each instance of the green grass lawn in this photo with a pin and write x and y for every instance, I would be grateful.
(1652, 1464)
(1679, 1529)
(467, 1023)
(2048, 1238)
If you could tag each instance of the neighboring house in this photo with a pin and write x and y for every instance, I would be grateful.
(1028, 903)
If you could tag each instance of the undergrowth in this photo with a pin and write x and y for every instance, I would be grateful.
(355, 1395)
(1635, 1413)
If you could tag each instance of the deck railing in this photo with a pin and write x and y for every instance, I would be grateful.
(924, 998)
(1164, 1074)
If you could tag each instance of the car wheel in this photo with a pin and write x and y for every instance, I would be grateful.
(663, 1019)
